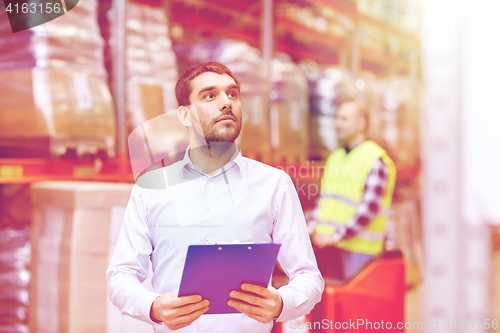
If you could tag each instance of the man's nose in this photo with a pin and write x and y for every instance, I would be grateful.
(225, 102)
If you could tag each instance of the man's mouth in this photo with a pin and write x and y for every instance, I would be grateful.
(226, 118)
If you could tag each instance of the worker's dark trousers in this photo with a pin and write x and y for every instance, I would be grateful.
(335, 263)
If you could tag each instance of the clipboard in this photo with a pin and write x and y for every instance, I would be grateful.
(213, 271)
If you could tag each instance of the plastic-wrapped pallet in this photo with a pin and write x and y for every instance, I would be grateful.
(53, 87)
(150, 69)
(75, 228)
(374, 8)
(246, 64)
(289, 112)
(369, 92)
(405, 221)
(373, 40)
(328, 88)
(400, 130)
(400, 120)
(15, 257)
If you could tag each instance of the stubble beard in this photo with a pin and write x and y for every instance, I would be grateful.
(217, 141)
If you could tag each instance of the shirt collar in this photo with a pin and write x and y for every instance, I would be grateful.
(237, 158)
(347, 149)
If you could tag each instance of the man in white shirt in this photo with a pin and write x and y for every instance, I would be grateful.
(213, 195)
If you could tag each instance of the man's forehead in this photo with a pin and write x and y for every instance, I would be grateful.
(349, 108)
(209, 79)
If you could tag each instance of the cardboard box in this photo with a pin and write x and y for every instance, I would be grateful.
(73, 109)
(75, 227)
(289, 132)
(254, 138)
(323, 138)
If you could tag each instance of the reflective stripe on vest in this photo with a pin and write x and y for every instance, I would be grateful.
(381, 211)
(361, 233)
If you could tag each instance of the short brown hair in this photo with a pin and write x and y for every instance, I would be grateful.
(183, 87)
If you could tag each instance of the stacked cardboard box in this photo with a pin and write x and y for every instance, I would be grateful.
(15, 257)
(150, 71)
(369, 93)
(328, 88)
(54, 87)
(75, 227)
(400, 119)
(14, 279)
(405, 235)
(289, 113)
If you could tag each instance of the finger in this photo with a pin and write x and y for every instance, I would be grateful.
(190, 308)
(252, 299)
(186, 320)
(247, 308)
(259, 290)
(250, 311)
(171, 315)
(183, 300)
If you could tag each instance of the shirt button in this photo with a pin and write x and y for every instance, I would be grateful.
(208, 207)
(211, 179)
(207, 238)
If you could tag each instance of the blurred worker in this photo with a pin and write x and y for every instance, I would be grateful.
(347, 226)
(213, 195)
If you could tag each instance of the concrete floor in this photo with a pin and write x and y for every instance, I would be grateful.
(413, 297)
(412, 307)
(495, 286)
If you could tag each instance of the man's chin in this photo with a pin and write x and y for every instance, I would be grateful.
(222, 141)
(228, 137)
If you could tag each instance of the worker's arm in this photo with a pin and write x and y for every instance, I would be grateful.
(370, 204)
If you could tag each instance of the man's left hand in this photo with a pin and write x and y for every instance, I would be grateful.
(264, 304)
(322, 240)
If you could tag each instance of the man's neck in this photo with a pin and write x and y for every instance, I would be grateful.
(353, 142)
(212, 157)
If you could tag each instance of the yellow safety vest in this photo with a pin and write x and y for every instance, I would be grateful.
(342, 189)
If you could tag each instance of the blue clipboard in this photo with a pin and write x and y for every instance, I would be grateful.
(212, 271)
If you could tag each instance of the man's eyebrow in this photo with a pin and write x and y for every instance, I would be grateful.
(204, 90)
(234, 86)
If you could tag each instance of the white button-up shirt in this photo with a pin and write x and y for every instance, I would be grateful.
(179, 205)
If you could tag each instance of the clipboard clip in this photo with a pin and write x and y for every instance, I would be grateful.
(234, 242)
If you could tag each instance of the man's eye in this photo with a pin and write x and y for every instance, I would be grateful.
(210, 96)
(233, 94)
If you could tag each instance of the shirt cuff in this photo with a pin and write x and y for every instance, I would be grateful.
(311, 226)
(144, 303)
(288, 304)
(339, 234)
(151, 312)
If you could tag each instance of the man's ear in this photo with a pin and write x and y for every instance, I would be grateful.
(184, 115)
(362, 125)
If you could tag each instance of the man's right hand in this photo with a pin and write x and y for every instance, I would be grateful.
(178, 312)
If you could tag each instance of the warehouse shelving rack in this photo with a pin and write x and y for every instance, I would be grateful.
(240, 20)
(243, 20)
